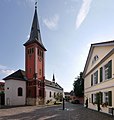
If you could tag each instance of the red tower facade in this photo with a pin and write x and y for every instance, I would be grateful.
(34, 65)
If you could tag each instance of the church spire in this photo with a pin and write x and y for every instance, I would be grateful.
(53, 80)
(35, 35)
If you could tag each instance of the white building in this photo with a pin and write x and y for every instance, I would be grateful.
(15, 89)
(52, 90)
(99, 77)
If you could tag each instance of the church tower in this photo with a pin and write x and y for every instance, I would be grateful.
(34, 64)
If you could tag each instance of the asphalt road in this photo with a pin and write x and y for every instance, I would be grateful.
(71, 112)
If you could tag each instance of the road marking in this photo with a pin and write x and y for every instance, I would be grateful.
(47, 117)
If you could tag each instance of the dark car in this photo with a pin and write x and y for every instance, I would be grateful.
(75, 102)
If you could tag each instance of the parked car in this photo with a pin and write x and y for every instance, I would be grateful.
(75, 102)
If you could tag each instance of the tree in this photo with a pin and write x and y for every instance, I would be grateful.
(79, 86)
(59, 96)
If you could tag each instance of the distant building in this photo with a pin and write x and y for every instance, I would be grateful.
(52, 90)
(70, 96)
(2, 100)
(2, 83)
(99, 77)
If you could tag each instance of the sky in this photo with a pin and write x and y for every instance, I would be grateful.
(68, 27)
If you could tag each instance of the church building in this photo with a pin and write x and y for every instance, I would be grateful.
(30, 86)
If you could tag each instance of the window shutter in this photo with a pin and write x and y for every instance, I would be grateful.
(110, 98)
(101, 74)
(110, 69)
(101, 97)
(92, 98)
(91, 79)
(96, 77)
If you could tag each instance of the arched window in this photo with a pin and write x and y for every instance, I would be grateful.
(20, 91)
(50, 94)
(54, 94)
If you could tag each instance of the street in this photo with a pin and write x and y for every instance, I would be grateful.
(71, 112)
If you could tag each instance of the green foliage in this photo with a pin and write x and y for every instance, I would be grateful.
(59, 96)
(1, 92)
(67, 98)
(79, 86)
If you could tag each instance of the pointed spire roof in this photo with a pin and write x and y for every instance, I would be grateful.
(53, 80)
(35, 35)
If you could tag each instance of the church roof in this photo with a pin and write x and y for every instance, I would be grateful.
(53, 84)
(106, 43)
(18, 75)
(35, 35)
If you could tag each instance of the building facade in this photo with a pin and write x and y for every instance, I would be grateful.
(2, 100)
(28, 87)
(2, 83)
(53, 91)
(15, 89)
(99, 77)
(34, 65)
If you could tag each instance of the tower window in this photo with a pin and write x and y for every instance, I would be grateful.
(38, 51)
(28, 51)
(42, 54)
(32, 50)
(40, 72)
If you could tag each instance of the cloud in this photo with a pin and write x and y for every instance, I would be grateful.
(52, 23)
(74, 0)
(31, 1)
(2, 67)
(28, 36)
(6, 71)
(83, 12)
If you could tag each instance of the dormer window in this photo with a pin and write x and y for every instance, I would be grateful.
(95, 58)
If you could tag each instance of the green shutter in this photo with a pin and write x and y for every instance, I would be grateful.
(110, 69)
(96, 76)
(91, 79)
(110, 98)
(92, 98)
(101, 74)
(101, 97)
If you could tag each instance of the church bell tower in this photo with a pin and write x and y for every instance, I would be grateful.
(34, 64)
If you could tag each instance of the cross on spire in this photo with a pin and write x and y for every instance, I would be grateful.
(36, 4)
(53, 78)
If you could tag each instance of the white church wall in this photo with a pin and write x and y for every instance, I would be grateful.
(52, 90)
(11, 92)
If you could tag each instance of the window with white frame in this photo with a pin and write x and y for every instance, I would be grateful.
(94, 98)
(107, 98)
(94, 78)
(106, 71)
(95, 75)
